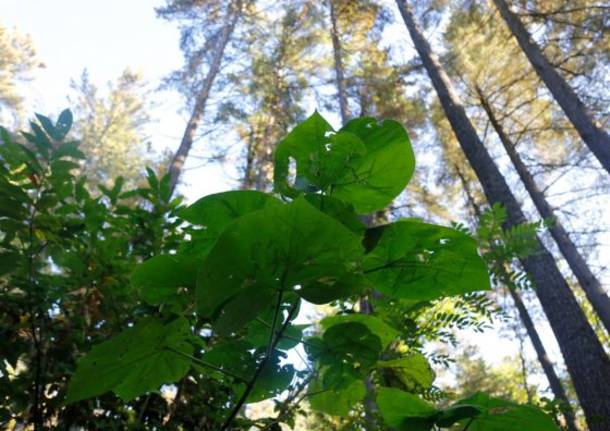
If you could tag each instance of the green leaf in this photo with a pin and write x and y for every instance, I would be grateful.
(234, 357)
(335, 402)
(339, 210)
(48, 126)
(272, 381)
(366, 163)
(153, 181)
(138, 360)
(404, 411)
(318, 291)
(69, 149)
(419, 261)
(453, 414)
(280, 247)
(373, 181)
(9, 262)
(63, 124)
(412, 371)
(160, 279)
(501, 415)
(215, 212)
(237, 358)
(346, 352)
(302, 144)
(385, 332)
(257, 331)
(39, 139)
(354, 342)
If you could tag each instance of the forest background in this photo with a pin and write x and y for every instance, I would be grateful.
(133, 89)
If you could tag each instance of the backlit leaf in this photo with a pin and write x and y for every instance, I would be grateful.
(138, 360)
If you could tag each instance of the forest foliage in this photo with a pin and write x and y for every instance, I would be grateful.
(220, 281)
(339, 285)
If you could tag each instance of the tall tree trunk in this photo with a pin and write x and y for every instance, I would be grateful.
(596, 139)
(545, 362)
(543, 358)
(338, 57)
(585, 358)
(234, 11)
(587, 280)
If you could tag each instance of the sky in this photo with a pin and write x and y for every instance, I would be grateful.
(105, 37)
(108, 36)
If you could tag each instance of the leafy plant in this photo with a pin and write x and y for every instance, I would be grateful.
(225, 277)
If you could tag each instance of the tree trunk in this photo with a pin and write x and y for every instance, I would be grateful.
(587, 280)
(596, 139)
(585, 358)
(544, 360)
(339, 71)
(175, 168)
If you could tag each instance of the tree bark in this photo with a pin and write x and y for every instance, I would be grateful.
(594, 137)
(339, 71)
(234, 12)
(587, 280)
(585, 358)
(545, 361)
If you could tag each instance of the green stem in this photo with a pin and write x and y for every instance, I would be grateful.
(270, 347)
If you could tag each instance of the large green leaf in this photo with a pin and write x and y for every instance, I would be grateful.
(257, 331)
(404, 411)
(279, 248)
(419, 261)
(215, 212)
(366, 163)
(335, 402)
(501, 415)
(240, 359)
(273, 380)
(305, 144)
(411, 371)
(138, 360)
(385, 332)
(480, 412)
(346, 352)
(371, 182)
(162, 278)
(234, 358)
(339, 210)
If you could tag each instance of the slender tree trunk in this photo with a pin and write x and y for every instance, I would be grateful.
(596, 139)
(544, 360)
(339, 71)
(587, 280)
(234, 12)
(585, 358)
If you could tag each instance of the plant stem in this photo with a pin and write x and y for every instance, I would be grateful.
(207, 364)
(273, 342)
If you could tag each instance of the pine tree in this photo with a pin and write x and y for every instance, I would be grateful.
(111, 125)
(592, 134)
(203, 43)
(17, 62)
(585, 358)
